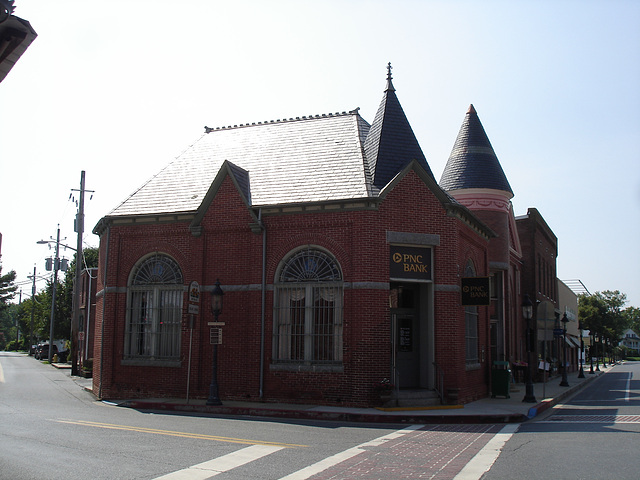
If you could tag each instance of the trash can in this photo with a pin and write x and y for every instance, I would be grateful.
(500, 379)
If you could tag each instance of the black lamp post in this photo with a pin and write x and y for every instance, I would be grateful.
(564, 320)
(604, 352)
(591, 342)
(216, 309)
(596, 338)
(527, 313)
(581, 374)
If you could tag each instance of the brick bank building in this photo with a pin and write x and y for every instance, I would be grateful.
(341, 258)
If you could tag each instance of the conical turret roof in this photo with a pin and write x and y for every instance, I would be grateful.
(391, 145)
(473, 162)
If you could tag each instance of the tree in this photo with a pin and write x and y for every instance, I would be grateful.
(602, 314)
(64, 293)
(632, 316)
(7, 288)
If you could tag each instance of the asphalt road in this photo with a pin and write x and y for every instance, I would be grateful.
(594, 435)
(50, 428)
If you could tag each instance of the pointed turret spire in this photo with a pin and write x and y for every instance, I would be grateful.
(473, 162)
(391, 145)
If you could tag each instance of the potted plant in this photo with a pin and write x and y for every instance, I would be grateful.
(385, 390)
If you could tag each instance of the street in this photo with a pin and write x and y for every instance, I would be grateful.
(52, 428)
(592, 436)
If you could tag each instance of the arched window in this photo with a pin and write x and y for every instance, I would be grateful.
(154, 317)
(308, 309)
(471, 323)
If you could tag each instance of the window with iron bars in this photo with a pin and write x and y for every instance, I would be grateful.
(308, 310)
(154, 315)
(471, 324)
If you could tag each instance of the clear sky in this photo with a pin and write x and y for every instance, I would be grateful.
(119, 89)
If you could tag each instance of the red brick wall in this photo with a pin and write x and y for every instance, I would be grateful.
(227, 250)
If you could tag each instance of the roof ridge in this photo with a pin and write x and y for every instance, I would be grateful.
(355, 111)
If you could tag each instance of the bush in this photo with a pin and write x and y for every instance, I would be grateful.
(14, 346)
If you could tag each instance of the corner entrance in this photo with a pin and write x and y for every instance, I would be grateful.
(409, 335)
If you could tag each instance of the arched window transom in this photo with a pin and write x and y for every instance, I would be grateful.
(308, 309)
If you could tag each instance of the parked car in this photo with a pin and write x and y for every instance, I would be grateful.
(42, 353)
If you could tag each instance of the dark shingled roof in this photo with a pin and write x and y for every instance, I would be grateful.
(391, 144)
(473, 162)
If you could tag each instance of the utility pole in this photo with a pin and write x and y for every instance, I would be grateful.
(33, 306)
(75, 320)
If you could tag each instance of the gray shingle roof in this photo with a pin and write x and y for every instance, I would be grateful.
(318, 158)
(473, 162)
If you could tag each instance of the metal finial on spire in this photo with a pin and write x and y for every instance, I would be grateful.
(389, 77)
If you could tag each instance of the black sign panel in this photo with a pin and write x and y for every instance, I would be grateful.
(411, 263)
(475, 291)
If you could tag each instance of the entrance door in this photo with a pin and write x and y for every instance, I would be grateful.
(406, 335)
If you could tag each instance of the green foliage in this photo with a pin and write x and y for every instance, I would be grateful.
(632, 316)
(33, 315)
(7, 288)
(602, 313)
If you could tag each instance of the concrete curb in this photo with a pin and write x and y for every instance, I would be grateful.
(550, 402)
(346, 416)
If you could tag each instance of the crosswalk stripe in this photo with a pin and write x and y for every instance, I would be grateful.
(486, 457)
(222, 464)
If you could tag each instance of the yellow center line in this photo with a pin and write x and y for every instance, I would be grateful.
(197, 436)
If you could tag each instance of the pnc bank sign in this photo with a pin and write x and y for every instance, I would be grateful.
(410, 263)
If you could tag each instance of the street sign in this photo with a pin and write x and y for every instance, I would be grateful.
(558, 331)
(195, 309)
(194, 292)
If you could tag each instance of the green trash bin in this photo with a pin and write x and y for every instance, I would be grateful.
(500, 379)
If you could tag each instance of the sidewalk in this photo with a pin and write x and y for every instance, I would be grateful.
(486, 410)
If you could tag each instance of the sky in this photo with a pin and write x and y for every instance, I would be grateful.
(119, 90)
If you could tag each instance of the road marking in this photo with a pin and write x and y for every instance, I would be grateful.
(328, 462)
(593, 419)
(197, 436)
(1, 374)
(221, 464)
(486, 457)
(628, 387)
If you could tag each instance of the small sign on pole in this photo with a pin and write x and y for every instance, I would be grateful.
(215, 336)
(194, 309)
(194, 292)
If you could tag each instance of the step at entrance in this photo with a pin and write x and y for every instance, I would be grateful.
(416, 398)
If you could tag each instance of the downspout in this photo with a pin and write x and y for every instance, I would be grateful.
(104, 308)
(263, 301)
(87, 327)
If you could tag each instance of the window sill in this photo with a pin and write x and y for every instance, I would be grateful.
(295, 367)
(150, 362)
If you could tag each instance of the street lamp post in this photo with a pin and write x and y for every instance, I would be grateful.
(564, 320)
(591, 342)
(597, 338)
(581, 374)
(527, 313)
(216, 309)
(56, 267)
